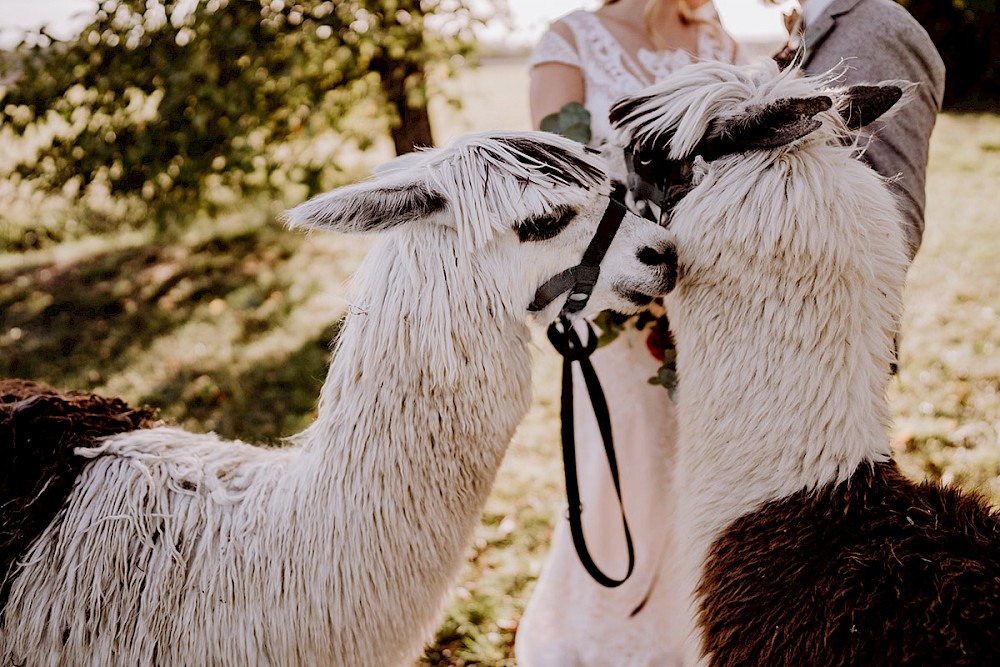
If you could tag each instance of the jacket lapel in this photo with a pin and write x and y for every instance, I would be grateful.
(817, 31)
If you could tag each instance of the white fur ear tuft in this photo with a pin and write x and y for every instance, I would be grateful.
(373, 206)
(404, 162)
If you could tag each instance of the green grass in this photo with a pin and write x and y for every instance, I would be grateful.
(203, 328)
(227, 329)
(947, 397)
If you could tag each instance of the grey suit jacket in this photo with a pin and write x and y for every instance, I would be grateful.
(878, 40)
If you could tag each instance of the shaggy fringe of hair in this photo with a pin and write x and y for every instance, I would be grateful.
(486, 180)
(489, 179)
(684, 105)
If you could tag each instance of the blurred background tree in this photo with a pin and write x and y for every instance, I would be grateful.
(967, 34)
(173, 103)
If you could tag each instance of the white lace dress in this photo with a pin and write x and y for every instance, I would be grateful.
(610, 72)
(571, 620)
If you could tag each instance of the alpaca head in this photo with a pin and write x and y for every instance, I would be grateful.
(774, 220)
(510, 210)
(713, 110)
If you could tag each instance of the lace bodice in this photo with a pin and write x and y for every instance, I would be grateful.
(610, 72)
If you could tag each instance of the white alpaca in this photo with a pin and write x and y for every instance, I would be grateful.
(177, 548)
(799, 541)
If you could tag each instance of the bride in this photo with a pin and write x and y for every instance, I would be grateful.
(594, 58)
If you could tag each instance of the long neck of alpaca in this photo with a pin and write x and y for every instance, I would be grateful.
(785, 331)
(777, 394)
(429, 380)
(784, 316)
(781, 390)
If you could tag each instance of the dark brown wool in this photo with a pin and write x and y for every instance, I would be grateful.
(39, 428)
(875, 571)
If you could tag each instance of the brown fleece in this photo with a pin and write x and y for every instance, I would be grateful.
(39, 428)
(875, 571)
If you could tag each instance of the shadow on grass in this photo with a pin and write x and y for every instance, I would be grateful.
(73, 325)
(78, 325)
(262, 403)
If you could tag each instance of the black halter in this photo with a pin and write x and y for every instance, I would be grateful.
(580, 281)
(659, 181)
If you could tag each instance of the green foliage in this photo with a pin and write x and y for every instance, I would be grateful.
(172, 105)
(571, 121)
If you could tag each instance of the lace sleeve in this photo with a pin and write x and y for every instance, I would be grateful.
(553, 48)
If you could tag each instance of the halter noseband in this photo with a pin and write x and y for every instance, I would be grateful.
(580, 280)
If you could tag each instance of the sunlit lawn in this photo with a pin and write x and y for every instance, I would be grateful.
(947, 398)
(227, 328)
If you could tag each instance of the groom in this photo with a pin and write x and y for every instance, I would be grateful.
(878, 40)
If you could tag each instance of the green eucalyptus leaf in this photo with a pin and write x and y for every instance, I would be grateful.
(551, 123)
(574, 112)
(571, 121)
(611, 325)
(666, 376)
(578, 132)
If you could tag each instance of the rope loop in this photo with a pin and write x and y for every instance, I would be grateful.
(566, 341)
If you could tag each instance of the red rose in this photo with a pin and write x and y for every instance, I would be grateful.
(658, 340)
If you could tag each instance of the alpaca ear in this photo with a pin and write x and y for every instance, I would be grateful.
(860, 105)
(372, 206)
(777, 124)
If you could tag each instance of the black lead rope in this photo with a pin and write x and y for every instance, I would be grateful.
(568, 344)
(580, 281)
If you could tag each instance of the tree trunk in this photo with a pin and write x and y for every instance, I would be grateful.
(414, 128)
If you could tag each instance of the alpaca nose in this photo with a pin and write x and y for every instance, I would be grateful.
(665, 254)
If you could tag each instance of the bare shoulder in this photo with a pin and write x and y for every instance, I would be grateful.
(561, 28)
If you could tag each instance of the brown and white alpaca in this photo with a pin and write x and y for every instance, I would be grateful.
(799, 541)
(178, 548)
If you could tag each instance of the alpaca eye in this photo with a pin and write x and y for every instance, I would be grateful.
(544, 227)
